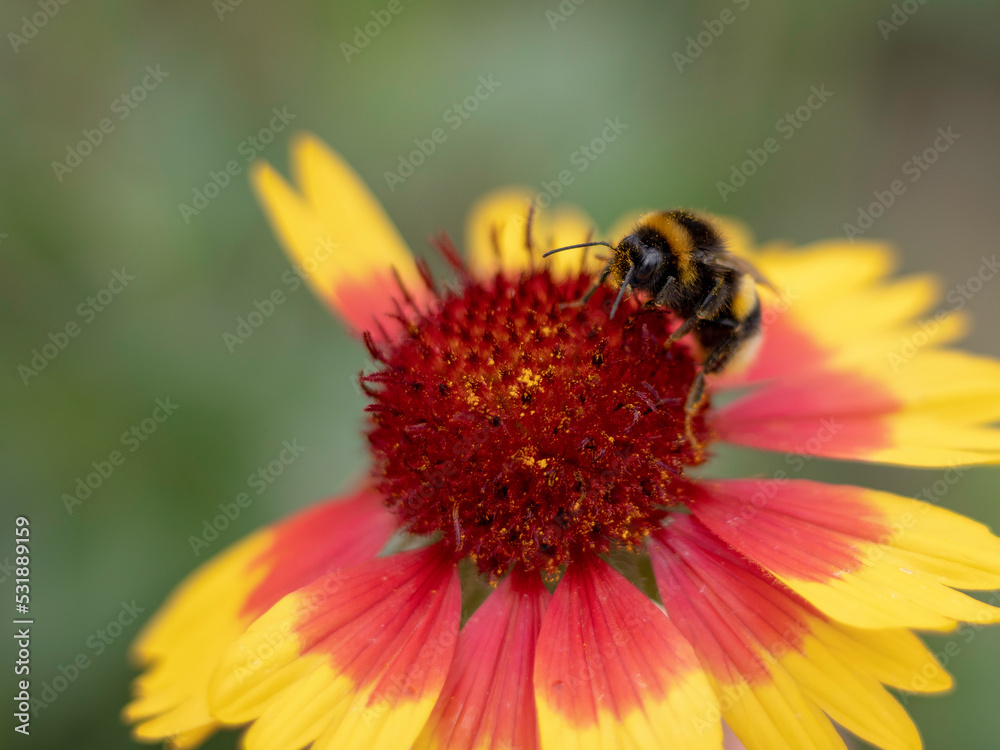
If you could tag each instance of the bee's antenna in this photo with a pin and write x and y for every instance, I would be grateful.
(571, 247)
(621, 292)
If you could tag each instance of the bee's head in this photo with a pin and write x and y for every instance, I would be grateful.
(643, 258)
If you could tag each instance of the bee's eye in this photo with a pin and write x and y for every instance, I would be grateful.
(646, 267)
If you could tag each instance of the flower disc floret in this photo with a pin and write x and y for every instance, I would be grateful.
(522, 430)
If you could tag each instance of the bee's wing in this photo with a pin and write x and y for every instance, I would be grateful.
(737, 263)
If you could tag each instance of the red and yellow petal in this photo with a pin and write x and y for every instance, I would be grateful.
(866, 558)
(497, 236)
(846, 369)
(353, 660)
(611, 671)
(778, 666)
(487, 701)
(338, 236)
(181, 645)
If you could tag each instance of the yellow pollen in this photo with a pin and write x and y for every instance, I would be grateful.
(529, 379)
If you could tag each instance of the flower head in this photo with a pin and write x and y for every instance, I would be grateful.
(536, 452)
(522, 431)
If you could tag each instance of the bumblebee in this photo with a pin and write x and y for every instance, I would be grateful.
(678, 258)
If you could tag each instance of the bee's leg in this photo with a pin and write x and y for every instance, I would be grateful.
(694, 397)
(661, 296)
(700, 314)
(590, 292)
(721, 354)
(713, 363)
(682, 330)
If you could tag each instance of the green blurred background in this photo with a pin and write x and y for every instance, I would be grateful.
(561, 74)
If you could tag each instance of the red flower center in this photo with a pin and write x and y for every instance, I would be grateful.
(522, 431)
